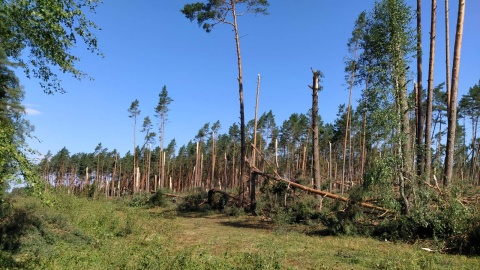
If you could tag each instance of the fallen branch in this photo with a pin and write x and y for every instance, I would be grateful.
(323, 193)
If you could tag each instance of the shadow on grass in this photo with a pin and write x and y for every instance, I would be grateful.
(320, 232)
(248, 224)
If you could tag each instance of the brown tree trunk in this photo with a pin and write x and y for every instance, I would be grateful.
(347, 131)
(447, 56)
(428, 128)
(242, 110)
(452, 117)
(419, 117)
(316, 149)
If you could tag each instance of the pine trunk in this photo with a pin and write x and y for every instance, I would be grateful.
(452, 117)
(428, 128)
(316, 149)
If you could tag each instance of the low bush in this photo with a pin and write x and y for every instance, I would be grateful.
(195, 202)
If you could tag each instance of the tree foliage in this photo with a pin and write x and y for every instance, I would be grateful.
(49, 31)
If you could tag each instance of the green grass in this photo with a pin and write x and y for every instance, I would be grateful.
(77, 233)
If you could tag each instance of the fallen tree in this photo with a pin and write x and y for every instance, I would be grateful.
(322, 193)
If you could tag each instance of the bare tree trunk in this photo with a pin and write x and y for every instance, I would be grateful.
(347, 131)
(431, 61)
(447, 56)
(316, 149)
(134, 151)
(253, 178)
(242, 110)
(212, 180)
(419, 116)
(452, 118)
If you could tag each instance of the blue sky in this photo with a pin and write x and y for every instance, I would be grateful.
(149, 44)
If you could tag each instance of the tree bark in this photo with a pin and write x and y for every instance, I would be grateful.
(447, 56)
(347, 131)
(419, 117)
(431, 61)
(316, 149)
(452, 117)
(242, 110)
(252, 177)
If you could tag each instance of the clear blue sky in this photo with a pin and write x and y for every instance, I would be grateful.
(148, 44)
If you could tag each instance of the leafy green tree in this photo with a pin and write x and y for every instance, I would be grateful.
(213, 12)
(13, 130)
(387, 43)
(48, 31)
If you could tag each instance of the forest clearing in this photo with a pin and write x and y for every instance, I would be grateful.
(79, 233)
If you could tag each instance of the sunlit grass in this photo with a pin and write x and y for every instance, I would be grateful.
(77, 233)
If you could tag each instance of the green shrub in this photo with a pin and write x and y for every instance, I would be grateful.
(196, 202)
(157, 199)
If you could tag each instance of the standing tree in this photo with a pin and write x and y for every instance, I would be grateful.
(134, 112)
(215, 127)
(452, 109)
(418, 98)
(212, 13)
(149, 140)
(428, 124)
(161, 112)
(353, 44)
(387, 43)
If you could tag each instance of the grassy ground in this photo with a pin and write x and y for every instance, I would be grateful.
(77, 233)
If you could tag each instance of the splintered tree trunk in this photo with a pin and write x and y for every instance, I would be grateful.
(316, 149)
(255, 122)
(428, 128)
(253, 178)
(452, 116)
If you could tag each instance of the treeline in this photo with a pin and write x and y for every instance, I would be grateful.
(211, 160)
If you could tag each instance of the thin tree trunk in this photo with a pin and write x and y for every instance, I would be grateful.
(419, 116)
(252, 177)
(452, 118)
(428, 138)
(347, 131)
(242, 110)
(212, 180)
(447, 56)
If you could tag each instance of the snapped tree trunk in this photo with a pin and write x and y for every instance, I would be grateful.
(316, 149)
